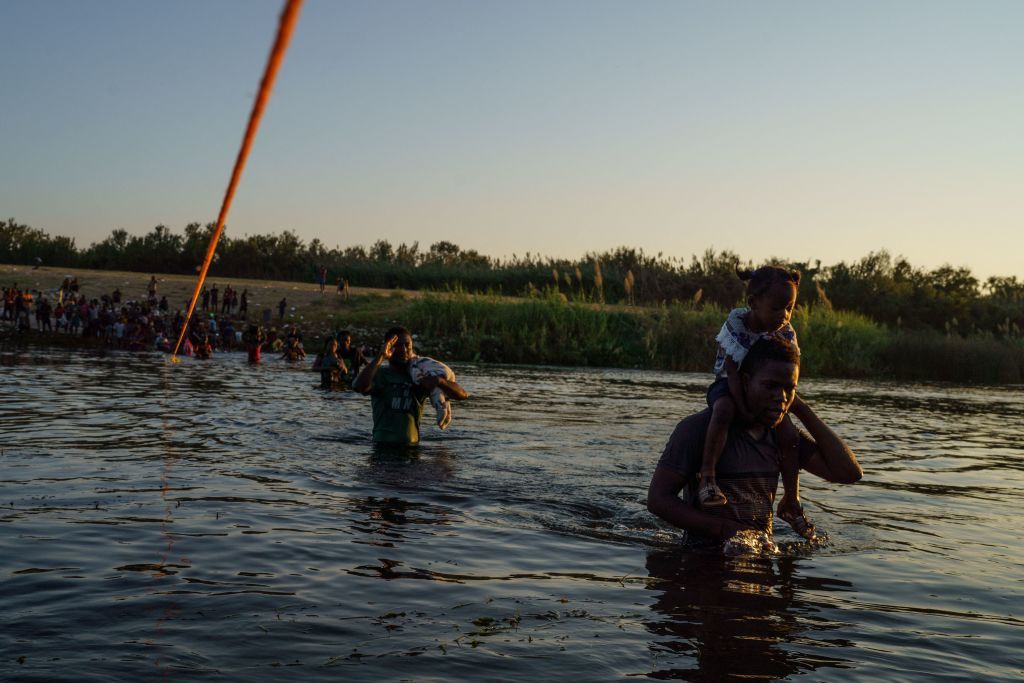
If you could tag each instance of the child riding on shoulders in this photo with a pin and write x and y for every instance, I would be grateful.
(771, 298)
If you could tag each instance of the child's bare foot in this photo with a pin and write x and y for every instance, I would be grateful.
(445, 417)
(709, 493)
(794, 515)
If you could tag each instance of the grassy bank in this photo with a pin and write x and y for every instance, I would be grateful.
(546, 329)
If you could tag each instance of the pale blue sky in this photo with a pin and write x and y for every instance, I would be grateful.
(794, 129)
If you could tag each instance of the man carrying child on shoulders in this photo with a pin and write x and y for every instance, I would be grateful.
(748, 470)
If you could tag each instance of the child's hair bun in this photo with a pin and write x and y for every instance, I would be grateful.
(760, 280)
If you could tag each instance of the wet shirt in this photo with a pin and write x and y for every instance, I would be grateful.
(397, 406)
(331, 370)
(354, 359)
(747, 472)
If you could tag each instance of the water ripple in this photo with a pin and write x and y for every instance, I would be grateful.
(218, 520)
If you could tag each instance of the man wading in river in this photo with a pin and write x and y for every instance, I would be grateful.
(396, 400)
(748, 471)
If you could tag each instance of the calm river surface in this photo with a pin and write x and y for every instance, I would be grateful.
(212, 521)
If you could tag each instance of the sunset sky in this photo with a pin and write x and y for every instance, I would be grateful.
(803, 130)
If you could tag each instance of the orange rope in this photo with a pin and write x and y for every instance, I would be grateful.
(284, 33)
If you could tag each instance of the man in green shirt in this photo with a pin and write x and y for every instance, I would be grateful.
(396, 401)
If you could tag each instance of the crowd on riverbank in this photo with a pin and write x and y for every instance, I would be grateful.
(114, 320)
(545, 329)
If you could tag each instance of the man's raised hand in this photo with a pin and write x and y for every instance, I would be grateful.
(389, 347)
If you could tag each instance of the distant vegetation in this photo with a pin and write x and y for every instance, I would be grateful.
(549, 330)
(882, 289)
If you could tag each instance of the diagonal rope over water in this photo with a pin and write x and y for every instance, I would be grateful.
(289, 17)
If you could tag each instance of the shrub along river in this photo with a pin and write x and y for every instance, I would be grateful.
(223, 522)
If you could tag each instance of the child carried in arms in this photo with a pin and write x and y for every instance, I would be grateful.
(421, 367)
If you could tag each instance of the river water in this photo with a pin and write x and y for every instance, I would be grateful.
(213, 521)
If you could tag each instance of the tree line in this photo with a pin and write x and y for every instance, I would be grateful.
(887, 289)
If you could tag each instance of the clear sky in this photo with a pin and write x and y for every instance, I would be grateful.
(806, 130)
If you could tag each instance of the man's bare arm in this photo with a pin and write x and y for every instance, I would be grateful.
(452, 390)
(363, 382)
(833, 461)
(663, 501)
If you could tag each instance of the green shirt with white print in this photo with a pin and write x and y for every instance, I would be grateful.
(397, 406)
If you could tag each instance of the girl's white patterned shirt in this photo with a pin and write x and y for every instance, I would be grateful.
(735, 340)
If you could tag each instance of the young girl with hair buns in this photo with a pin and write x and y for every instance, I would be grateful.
(771, 297)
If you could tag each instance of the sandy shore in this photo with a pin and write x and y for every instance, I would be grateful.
(179, 288)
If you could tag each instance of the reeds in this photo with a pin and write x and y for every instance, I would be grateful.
(950, 358)
(838, 343)
(548, 329)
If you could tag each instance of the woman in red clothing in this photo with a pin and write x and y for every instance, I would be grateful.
(254, 342)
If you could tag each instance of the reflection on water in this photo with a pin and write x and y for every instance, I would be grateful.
(216, 519)
(737, 617)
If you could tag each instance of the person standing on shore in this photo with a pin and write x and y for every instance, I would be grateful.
(44, 315)
(9, 296)
(397, 402)
(280, 308)
(22, 309)
(60, 320)
(225, 307)
(321, 277)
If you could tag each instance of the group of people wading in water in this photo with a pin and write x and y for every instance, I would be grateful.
(724, 461)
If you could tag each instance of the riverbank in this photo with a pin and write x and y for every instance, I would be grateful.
(367, 312)
(680, 336)
(546, 329)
